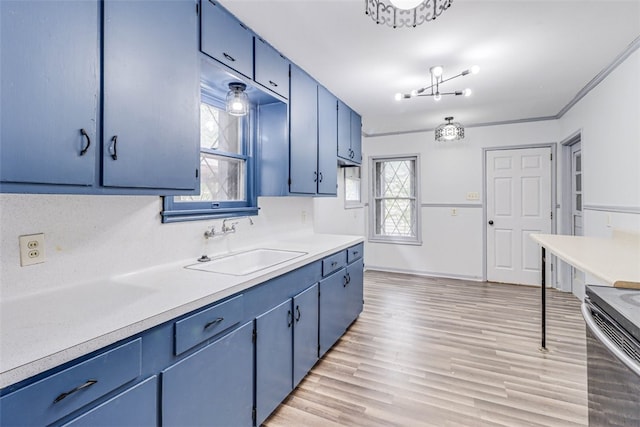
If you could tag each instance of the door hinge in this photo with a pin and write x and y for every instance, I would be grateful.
(551, 267)
(551, 215)
(289, 181)
(254, 335)
(253, 415)
(197, 9)
(196, 173)
(551, 156)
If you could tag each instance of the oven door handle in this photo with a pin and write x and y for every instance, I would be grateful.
(606, 341)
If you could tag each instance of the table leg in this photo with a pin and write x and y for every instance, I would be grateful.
(544, 301)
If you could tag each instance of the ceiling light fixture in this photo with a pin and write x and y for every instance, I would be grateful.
(405, 13)
(237, 99)
(449, 131)
(436, 80)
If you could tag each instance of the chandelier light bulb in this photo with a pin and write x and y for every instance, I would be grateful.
(437, 96)
(467, 92)
(475, 69)
(406, 4)
(414, 92)
(437, 70)
(398, 96)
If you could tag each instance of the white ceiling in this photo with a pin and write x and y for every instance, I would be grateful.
(534, 56)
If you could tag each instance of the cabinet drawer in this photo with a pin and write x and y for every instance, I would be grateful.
(354, 253)
(334, 262)
(54, 397)
(208, 323)
(271, 68)
(225, 39)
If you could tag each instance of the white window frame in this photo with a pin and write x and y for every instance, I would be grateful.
(402, 240)
(352, 204)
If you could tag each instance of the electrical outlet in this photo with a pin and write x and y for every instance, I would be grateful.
(31, 249)
(454, 212)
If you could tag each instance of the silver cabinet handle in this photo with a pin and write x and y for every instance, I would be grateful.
(213, 322)
(64, 395)
(606, 341)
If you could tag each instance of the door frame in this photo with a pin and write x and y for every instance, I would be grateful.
(554, 204)
(564, 269)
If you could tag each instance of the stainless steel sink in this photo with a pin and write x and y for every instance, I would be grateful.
(246, 262)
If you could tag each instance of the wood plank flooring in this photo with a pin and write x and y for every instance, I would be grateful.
(443, 352)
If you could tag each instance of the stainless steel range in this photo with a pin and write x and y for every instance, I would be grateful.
(612, 316)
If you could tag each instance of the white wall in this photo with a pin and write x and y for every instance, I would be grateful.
(452, 245)
(331, 216)
(608, 119)
(89, 237)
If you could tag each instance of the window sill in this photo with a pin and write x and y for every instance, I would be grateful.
(205, 214)
(395, 241)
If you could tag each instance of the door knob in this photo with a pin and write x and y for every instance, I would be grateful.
(490, 222)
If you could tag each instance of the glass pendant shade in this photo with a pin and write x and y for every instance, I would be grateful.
(449, 131)
(237, 100)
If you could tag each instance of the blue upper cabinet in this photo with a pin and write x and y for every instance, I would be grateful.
(151, 94)
(303, 133)
(226, 39)
(356, 137)
(271, 68)
(327, 142)
(349, 135)
(49, 95)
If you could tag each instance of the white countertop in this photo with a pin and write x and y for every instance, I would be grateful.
(45, 330)
(613, 260)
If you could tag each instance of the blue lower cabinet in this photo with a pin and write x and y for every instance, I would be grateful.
(333, 304)
(134, 407)
(305, 333)
(67, 391)
(354, 290)
(274, 358)
(213, 386)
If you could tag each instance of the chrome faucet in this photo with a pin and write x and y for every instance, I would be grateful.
(229, 228)
(226, 228)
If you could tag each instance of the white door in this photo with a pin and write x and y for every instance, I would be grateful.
(577, 276)
(518, 203)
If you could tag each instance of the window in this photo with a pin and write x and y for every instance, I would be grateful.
(394, 200)
(225, 169)
(352, 197)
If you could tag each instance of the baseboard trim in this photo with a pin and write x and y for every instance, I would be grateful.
(424, 273)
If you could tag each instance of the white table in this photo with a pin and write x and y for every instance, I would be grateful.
(616, 260)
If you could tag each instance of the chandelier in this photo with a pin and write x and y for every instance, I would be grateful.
(437, 79)
(449, 131)
(405, 13)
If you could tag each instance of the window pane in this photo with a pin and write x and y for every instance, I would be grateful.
(395, 217)
(352, 185)
(221, 179)
(219, 130)
(395, 178)
(578, 163)
(579, 182)
(578, 202)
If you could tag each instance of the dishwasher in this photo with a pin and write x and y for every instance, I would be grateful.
(612, 317)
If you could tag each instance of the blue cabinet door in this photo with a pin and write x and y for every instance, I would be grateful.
(344, 130)
(332, 309)
(214, 386)
(49, 73)
(354, 290)
(305, 332)
(327, 142)
(303, 133)
(273, 150)
(356, 137)
(274, 359)
(225, 39)
(151, 94)
(134, 407)
(271, 68)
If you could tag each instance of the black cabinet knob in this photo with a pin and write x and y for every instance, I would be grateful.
(490, 222)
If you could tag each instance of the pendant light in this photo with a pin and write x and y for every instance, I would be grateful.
(449, 131)
(237, 99)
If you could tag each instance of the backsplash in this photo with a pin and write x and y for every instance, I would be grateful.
(92, 237)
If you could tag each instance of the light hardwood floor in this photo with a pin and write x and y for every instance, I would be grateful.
(443, 352)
